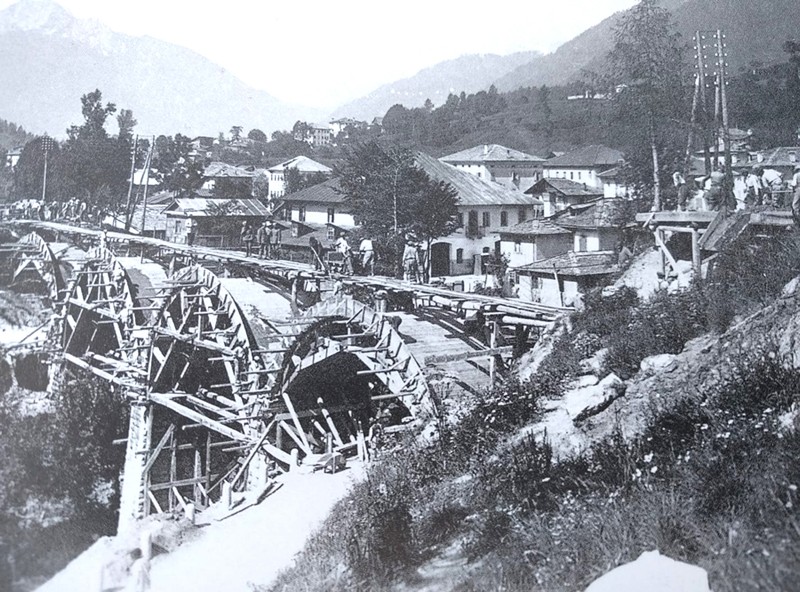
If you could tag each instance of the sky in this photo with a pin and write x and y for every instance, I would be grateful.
(323, 53)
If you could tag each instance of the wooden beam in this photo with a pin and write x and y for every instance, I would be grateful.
(484, 353)
(159, 447)
(199, 418)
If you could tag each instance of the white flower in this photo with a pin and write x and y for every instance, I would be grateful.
(648, 457)
(654, 470)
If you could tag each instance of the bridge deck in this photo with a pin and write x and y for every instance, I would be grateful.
(514, 306)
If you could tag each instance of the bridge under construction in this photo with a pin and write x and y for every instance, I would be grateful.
(238, 368)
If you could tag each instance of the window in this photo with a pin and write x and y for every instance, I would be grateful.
(581, 243)
(522, 215)
(503, 218)
(579, 175)
(295, 231)
(331, 233)
(571, 176)
(518, 247)
(460, 219)
(287, 212)
(485, 219)
(301, 213)
(459, 255)
(331, 214)
(479, 175)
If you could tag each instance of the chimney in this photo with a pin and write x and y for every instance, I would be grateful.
(793, 157)
(760, 157)
(485, 149)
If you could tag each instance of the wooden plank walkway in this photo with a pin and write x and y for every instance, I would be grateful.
(514, 306)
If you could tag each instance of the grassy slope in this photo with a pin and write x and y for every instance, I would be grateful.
(712, 479)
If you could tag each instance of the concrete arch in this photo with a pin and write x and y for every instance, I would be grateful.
(37, 260)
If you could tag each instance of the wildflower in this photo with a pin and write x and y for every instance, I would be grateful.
(648, 457)
(793, 487)
(704, 426)
(654, 470)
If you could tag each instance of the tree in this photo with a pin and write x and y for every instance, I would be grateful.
(29, 172)
(295, 180)
(646, 65)
(126, 123)
(236, 133)
(257, 135)
(390, 195)
(182, 174)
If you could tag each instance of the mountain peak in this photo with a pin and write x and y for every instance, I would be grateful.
(30, 15)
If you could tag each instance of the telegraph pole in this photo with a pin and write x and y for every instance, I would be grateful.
(47, 146)
(130, 184)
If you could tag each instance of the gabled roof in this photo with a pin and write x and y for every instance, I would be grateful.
(490, 153)
(217, 170)
(575, 264)
(587, 156)
(472, 190)
(781, 157)
(326, 192)
(563, 186)
(196, 207)
(303, 164)
(535, 227)
(604, 213)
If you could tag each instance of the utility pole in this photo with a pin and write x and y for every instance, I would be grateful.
(130, 183)
(47, 146)
(726, 131)
(146, 183)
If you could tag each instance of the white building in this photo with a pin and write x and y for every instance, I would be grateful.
(493, 162)
(583, 165)
(304, 165)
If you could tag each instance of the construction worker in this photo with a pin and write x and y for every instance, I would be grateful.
(680, 186)
(716, 197)
(347, 255)
(367, 251)
(263, 238)
(410, 262)
(755, 187)
(247, 237)
(191, 231)
(795, 185)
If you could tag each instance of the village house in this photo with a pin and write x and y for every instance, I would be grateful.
(614, 185)
(494, 162)
(557, 194)
(12, 157)
(317, 134)
(218, 173)
(533, 240)
(561, 240)
(202, 146)
(783, 159)
(583, 165)
(561, 280)
(217, 221)
(320, 206)
(340, 125)
(304, 165)
(484, 209)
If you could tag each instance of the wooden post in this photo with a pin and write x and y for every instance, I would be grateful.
(173, 467)
(198, 473)
(328, 443)
(227, 500)
(493, 328)
(696, 259)
(295, 460)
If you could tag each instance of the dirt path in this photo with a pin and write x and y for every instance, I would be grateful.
(252, 547)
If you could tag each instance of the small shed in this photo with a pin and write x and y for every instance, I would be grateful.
(217, 222)
(560, 280)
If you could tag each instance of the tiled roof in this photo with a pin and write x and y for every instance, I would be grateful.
(217, 170)
(563, 186)
(303, 164)
(575, 264)
(326, 192)
(610, 173)
(587, 156)
(472, 190)
(781, 157)
(490, 153)
(201, 206)
(604, 213)
(534, 227)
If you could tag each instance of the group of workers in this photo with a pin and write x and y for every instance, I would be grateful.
(758, 187)
(266, 236)
(72, 210)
